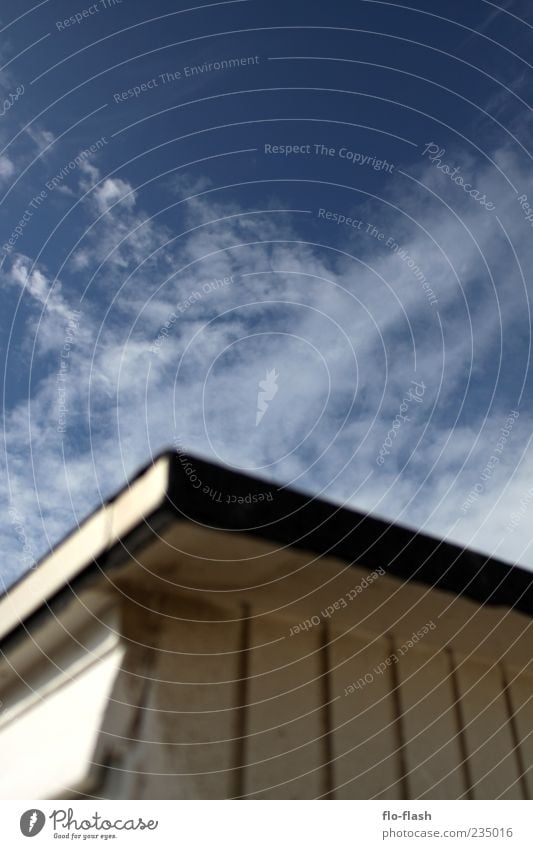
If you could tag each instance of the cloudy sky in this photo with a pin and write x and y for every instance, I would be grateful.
(324, 209)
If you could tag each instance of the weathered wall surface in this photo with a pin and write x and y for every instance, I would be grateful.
(268, 692)
(238, 670)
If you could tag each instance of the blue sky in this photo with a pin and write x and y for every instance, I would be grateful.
(331, 200)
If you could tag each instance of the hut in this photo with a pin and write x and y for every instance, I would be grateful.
(207, 635)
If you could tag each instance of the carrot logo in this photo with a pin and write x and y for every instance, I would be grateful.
(267, 390)
(32, 822)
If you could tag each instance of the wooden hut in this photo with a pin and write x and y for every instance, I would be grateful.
(207, 635)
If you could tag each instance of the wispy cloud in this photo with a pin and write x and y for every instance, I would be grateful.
(348, 329)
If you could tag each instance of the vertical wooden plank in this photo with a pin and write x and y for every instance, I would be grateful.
(433, 752)
(365, 738)
(520, 691)
(487, 731)
(115, 759)
(286, 731)
(116, 755)
(188, 737)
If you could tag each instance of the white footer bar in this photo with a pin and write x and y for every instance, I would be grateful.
(267, 824)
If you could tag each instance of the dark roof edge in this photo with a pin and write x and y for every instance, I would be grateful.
(205, 493)
(220, 498)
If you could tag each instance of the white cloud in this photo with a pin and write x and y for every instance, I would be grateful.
(23, 273)
(7, 168)
(358, 330)
(111, 191)
(42, 138)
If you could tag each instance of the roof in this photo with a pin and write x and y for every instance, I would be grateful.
(178, 487)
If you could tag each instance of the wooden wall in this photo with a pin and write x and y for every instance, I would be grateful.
(219, 697)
